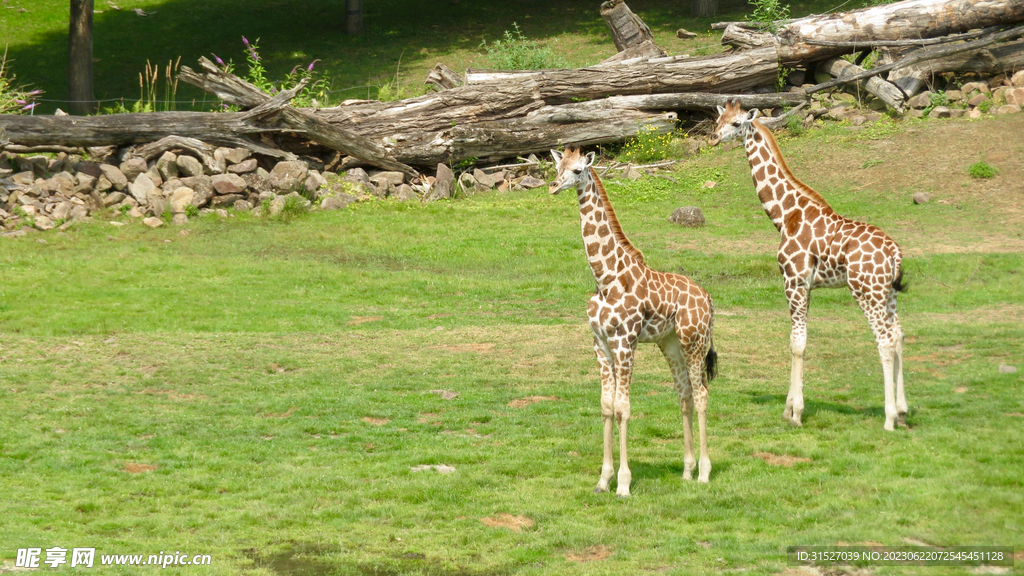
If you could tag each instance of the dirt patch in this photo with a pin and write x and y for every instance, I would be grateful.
(514, 523)
(173, 394)
(285, 414)
(589, 554)
(136, 468)
(375, 421)
(780, 459)
(526, 401)
(1018, 415)
(480, 347)
(960, 389)
(357, 320)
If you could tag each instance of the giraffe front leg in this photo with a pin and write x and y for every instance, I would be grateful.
(887, 353)
(607, 413)
(901, 398)
(798, 296)
(700, 401)
(623, 349)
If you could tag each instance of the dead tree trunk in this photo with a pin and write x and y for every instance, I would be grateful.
(627, 28)
(80, 90)
(909, 19)
(881, 89)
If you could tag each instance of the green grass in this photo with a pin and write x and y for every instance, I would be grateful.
(403, 39)
(982, 169)
(279, 374)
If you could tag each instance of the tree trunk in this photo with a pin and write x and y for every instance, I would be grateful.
(80, 90)
(353, 16)
(703, 8)
(627, 28)
(901, 20)
(884, 91)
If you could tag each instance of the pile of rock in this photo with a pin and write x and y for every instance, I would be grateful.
(998, 95)
(47, 193)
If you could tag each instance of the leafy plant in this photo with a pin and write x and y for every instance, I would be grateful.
(767, 13)
(795, 125)
(14, 99)
(647, 146)
(982, 169)
(191, 210)
(516, 52)
(316, 93)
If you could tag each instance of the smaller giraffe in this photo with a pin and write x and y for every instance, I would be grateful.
(821, 249)
(635, 304)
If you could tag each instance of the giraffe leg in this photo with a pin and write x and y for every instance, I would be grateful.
(673, 352)
(799, 299)
(699, 393)
(901, 397)
(623, 374)
(882, 327)
(604, 360)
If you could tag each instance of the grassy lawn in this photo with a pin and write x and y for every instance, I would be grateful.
(403, 39)
(261, 391)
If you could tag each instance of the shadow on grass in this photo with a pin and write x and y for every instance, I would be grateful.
(303, 559)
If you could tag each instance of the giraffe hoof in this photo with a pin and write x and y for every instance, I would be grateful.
(600, 490)
(901, 421)
(796, 423)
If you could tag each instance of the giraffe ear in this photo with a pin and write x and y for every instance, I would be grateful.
(556, 155)
(752, 114)
(590, 159)
(720, 110)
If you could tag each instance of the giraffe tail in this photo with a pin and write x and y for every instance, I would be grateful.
(898, 284)
(711, 363)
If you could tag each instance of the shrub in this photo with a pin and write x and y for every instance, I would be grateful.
(767, 12)
(647, 146)
(14, 99)
(516, 52)
(982, 170)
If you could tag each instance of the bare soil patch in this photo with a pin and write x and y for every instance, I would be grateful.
(357, 320)
(136, 468)
(375, 421)
(481, 347)
(780, 459)
(526, 401)
(514, 523)
(589, 554)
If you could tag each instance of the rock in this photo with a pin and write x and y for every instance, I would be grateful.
(381, 186)
(244, 167)
(857, 120)
(1018, 79)
(179, 219)
(153, 222)
(485, 180)
(529, 182)
(939, 112)
(222, 213)
(141, 188)
(357, 175)
(154, 175)
(975, 87)
(288, 176)
(225, 200)
(113, 198)
(157, 203)
(954, 95)
(203, 188)
(922, 100)
(337, 202)
(1014, 96)
(977, 100)
(405, 193)
(314, 181)
(1008, 109)
(168, 166)
(135, 212)
(78, 213)
(684, 33)
(393, 178)
(1006, 368)
(922, 198)
(633, 174)
(996, 81)
(242, 206)
(61, 211)
(687, 216)
(85, 180)
(189, 166)
(228, 184)
(44, 223)
(999, 95)
(278, 203)
(114, 175)
(915, 113)
(442, 187)
(974, 114)
(181, 198)
(237, 155)
(957, 112)
(133, 167)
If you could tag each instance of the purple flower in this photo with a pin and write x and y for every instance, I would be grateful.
(20, 102)
(246, 40)
(217, 58)
(293, 70)
(34, 92)
(311, 64)
(30, 106)
(255, 56)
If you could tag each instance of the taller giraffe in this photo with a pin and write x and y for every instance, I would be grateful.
(634, 304)
(821, 249)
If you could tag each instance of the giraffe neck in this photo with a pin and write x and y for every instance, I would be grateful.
(608, 250)
(779, 191)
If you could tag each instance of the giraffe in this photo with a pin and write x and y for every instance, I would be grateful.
(821, 249)
(634, 304)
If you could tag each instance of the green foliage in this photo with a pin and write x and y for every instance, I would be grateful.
(935, 99)
(647, 146)
(986, 106)
(315, 94)
(150, 91)
(767, 13)
(191, 210)
(516, 52)
(982, 170)
(14, 99)
(795, 125)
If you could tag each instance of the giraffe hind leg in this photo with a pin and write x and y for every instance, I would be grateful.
(673, 352)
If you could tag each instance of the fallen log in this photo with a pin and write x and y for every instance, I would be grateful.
(628, 30)
(1006, 57)
(898, 21)
(234, 90)
(881, 89)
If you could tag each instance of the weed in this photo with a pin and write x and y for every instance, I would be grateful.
(768, 13)
(124, 209)
(982, 169)
(648, 145)
(986, 105)
(795, 125)
(871, 163)
(936, 99)
(191, 210)
(13, 99)
(516, 52)
(315, 94)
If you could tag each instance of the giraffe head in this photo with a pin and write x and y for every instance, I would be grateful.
(573, 170)
(733, 121)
